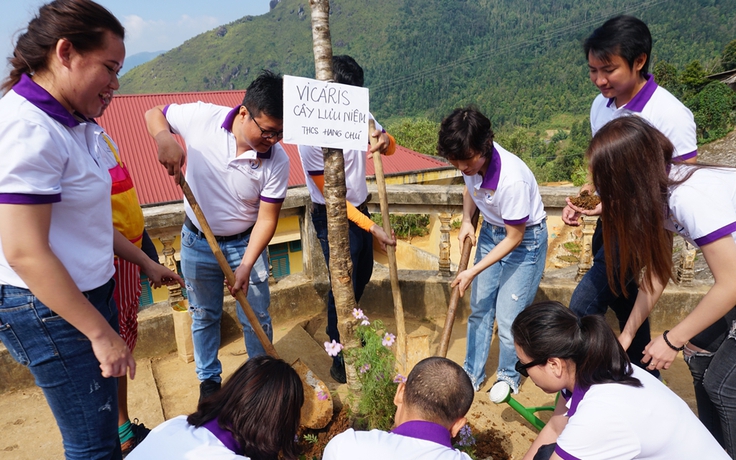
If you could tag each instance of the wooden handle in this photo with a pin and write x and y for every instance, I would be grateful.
(455, 296)
(225, 267)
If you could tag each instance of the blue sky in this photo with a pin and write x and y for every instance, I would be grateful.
(150, 25)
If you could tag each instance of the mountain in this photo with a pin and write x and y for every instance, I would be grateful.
(137, 59)
(520, 61)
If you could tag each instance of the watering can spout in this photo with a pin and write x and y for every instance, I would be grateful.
(501, 393)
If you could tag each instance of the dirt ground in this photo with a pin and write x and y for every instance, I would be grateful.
(166, 387)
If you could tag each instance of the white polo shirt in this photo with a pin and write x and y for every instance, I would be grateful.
(229, 188)
(508, 193)
(415, 444)
(314, 165)
(703, 209)
(660, 108)
(614, 421)
(49, 156)
(176, 439)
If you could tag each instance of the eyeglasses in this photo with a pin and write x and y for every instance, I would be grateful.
(522, 368)
(267, 134)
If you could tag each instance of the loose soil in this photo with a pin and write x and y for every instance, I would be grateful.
(585, 200)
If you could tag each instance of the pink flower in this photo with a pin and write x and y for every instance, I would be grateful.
(358, 314)
(399, 379)
(322, 396)
(365, 368)
(365, 322)
(388, 339)
(333, 348)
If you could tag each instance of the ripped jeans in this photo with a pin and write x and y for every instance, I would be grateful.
(714, 378)
(500, 293)
(205, 284)
(84, 404)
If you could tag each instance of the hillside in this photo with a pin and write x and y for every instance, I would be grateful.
(518, 60)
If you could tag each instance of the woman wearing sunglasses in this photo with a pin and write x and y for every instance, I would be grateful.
(609, 409)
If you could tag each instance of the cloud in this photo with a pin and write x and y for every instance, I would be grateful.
(155, 35)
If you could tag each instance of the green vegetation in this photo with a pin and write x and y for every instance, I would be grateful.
(406, 225)
(519, 61)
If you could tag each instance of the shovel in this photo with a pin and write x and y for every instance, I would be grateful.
(455, 296)
(317, 409)
(391, 252)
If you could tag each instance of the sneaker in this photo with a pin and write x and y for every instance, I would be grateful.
(139, 434)
(207, 388)
(337, 371)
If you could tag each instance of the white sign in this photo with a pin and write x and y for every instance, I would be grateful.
(325, 114)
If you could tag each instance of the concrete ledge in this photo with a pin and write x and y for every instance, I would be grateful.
(425, 295)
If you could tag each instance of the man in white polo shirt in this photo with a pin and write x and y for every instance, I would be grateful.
(361, 229)
(239, 174)
(430, 411)
(618, 59)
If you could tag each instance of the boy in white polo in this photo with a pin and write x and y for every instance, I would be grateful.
(361, 229)
(430, 411)
(239, 174)
(512, 243)
(618, 59)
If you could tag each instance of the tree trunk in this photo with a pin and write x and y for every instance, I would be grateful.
(341, 267)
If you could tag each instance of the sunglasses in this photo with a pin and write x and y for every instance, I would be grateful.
(522, 368)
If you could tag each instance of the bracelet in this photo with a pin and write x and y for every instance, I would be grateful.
(669, 344)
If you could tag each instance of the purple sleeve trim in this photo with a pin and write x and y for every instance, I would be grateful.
(272, 200)
(516, 222)
(720, 233)
(564, 455)
(316, 173)
(687, 156)
(165, 109)
(27, 198)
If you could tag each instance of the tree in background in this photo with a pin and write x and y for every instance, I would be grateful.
(728, 56)
(713, 108)
(418, 134)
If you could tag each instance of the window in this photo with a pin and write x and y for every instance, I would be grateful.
(279, 259)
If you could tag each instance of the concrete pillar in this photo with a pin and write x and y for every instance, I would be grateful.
(686, 268)
(445, 219)
(312, 258)
(586, 254)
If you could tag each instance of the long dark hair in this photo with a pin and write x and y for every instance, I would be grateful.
(550, 330)
(82, 22)
(465, 133)
(629, 160)
(260, 405)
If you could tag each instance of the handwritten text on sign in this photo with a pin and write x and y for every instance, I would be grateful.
(325, 114)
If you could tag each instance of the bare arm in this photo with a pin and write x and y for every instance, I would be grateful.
(551, 430)
(263, 230)
(467, 229)
(158, 274)
(24, 230)
(643, 306)
(170, 153)
(721, 258)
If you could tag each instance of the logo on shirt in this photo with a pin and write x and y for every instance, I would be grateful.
(255, 164)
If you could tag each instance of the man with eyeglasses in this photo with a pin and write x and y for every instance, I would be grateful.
(239, 174)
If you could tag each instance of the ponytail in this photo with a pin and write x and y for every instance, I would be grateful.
(550, 330)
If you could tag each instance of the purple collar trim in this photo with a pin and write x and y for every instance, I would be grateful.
(640, 99)
(224, 436)
(228, 126)
(577, 395)
(421, 429)
(493, 173)
(41, 98)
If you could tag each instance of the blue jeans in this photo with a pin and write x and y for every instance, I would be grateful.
(501, 292)
(61, 359)
(361, 254)
(714, 379)
(593, 296)
(205, 283)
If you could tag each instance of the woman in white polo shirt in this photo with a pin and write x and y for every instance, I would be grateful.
(646, 196)
(57, 315)
(512, 244)
(608, 408)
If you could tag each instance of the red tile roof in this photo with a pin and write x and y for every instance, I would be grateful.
(123, 120)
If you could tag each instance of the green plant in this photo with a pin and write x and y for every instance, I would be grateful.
(406, 225)
(375, 365)
(311, 438)
(465, 441)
